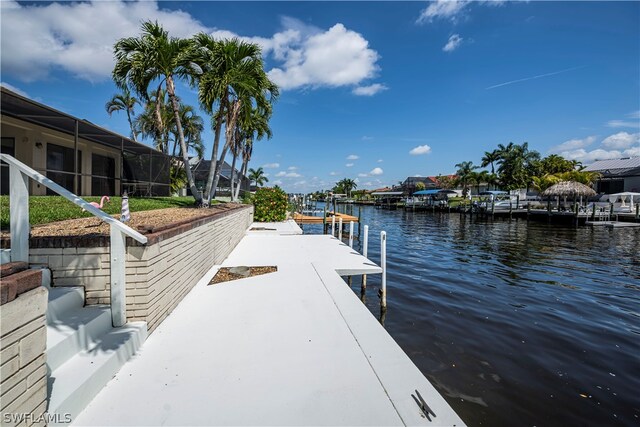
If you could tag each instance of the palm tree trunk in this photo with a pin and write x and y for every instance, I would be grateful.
(233, 173)
(133, 130)
(243, 171)
(229, 131)
(214, 167)
(183, 146)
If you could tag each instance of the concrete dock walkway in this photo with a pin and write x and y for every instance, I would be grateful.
(294, 347)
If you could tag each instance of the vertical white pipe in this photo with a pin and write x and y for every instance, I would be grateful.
(365, 243)
(351, 234)
(383, 264)
(340, 229)
(333, 226)
(118, 277)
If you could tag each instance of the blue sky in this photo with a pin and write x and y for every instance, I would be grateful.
(373, 91)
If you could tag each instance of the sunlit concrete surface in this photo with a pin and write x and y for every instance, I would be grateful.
(294, 347)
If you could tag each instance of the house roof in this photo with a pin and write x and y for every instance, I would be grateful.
(202, 168)
(627, 163)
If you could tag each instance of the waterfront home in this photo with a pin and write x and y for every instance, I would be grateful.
(84, 158)
(617, 175)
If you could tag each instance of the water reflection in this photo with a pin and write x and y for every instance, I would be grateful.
(515, 323)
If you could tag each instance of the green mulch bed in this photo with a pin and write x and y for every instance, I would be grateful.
(45, 209)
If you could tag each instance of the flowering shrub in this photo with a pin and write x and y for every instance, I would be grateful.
(270, 204)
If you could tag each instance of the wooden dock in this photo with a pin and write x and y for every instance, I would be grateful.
(306, 219)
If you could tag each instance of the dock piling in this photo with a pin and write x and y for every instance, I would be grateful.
(324, 221)
(333, 226)
(365, 250)
(383, 264)
(340, 229)
(351, 234)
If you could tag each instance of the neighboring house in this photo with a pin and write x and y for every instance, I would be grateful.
(618, 175)
(409, 185)
(86, 159)
(200, 170)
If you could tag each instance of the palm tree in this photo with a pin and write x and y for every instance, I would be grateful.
(232, 78)
(254, 126)
(257, 176)
(489, 158)
(347, 185)
(156, 57)
(123, 102)
(465, 173)
(517, 165)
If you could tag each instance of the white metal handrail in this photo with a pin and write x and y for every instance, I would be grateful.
(19, 173)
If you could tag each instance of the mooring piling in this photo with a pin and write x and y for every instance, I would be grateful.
(351, 234)
(383, 264)
(324, 221)
(365, 250)
(333, 226)
(340, 229)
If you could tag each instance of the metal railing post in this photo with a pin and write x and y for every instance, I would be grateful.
(19, 214)
(383, 264)
(118, 285)
(351, 234)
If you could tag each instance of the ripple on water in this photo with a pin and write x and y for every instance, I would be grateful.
(515, 323)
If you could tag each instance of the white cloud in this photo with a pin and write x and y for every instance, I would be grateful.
(271, 166)
(277, 182)
(621, 140)
(292, 168)
(449, 9)
(420, 149)
(77, 37)
(453, 43)
(349, 165)
(367, 138)
(293, 175)
(353, 157)
(621, 144)
(362, 175)
(14, 89)
(446, 9)
(281, 173)
(369, 90)
(574, 144)
(376, 171)
(332, 173)
(333, 58)
(380, 160)
(622, 124)
(634, 115)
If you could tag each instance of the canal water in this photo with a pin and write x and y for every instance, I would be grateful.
(516, 323)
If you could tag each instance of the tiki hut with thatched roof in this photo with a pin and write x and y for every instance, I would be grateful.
(569, 189)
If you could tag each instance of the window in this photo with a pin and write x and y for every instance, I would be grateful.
(60, 167)
(8, 146)
(103, 175)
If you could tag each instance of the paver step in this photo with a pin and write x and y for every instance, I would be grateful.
(18, 283)
(63, 299)
(74, 331)
(74, 384)
(12, 268)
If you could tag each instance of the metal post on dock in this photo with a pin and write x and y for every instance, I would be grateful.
(517, 201)
(340, 229)
(383, 264)
(333, 226)
(365, 250)
(637, 211)
(351, 234)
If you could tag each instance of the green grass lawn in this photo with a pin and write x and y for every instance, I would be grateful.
(44, 209)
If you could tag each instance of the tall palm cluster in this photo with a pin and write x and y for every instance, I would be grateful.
(345, 186)
(233, 89)
(515, 166)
